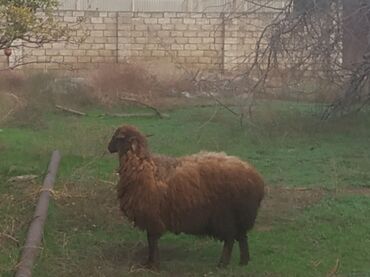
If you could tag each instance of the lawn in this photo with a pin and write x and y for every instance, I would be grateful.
(313, 222)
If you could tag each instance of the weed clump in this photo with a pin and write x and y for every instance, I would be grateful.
(26, 98)
(36, 96)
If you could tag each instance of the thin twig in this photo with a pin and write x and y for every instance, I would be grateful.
(334, 270)
(22, 178)
(66, 109)
(10, 237)
(132, 115)
(205, 123)
(133, 100)
(221, 104)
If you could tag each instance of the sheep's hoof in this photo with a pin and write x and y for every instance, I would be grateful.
(244, 262)
(153, 266)
(222, 265)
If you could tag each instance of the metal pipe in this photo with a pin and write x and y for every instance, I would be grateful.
(35, 232)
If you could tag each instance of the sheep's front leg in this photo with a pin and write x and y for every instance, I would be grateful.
(226, 253)
(153, 257)
(244, 250)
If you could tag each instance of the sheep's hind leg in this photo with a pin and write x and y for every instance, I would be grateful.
(153, 255)
(226, 253)
(244, 250)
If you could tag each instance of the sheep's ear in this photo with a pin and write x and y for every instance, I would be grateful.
(134, 144)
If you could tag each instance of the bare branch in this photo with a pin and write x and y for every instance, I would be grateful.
(10, 237)
(157, 112)
(65, 109)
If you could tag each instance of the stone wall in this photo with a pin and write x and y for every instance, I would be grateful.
(210, 41)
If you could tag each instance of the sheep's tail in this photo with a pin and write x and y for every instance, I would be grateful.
(262, 196)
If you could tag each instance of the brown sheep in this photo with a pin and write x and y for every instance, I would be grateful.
(208, 194)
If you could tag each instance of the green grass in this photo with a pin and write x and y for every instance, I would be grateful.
(86, 235)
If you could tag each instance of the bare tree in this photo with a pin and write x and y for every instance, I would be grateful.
(356, 89)
(305, 42)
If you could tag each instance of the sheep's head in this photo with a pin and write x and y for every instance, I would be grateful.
(127, 138)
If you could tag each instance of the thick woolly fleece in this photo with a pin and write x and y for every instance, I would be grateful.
(203, 194)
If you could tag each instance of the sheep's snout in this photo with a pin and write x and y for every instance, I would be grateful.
(112, 146)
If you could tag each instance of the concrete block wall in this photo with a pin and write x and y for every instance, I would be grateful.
(98, 31)
(209, 41)
(188, 39)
